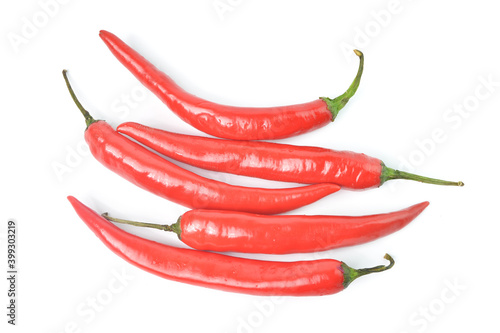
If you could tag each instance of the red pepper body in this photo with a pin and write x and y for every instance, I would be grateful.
(240, 123)
(280, 234)
(266, 160)
(213, 270)
(159, 176)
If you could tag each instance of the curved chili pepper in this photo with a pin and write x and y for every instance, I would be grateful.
(241, 123)
(221, 231)
(274, 161)
(214, 270)
(161, 177)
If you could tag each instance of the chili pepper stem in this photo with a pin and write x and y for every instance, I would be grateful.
(89, 120)
(351, 274)
(176, 227)
(389, 173)
(336, 104)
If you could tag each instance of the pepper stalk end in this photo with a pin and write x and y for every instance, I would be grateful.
(351, 274)
(389, 173)
(89, 120)
(176, 227)
(334, 105)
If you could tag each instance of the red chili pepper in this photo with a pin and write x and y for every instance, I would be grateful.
(221, 231)
(157, 175)
(272, 161)
(214, 270)
(241, 123)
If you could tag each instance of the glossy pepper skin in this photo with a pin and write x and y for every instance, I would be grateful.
(240, 123)
(274, 161)
(222, 231)
(213, 270)
(161, 177)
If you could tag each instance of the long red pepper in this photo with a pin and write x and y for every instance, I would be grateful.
(241, 123)
(213, 270)
(268, 160)
(157, 175)
(221, 231)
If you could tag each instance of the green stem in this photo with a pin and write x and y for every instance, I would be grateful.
(176, 227)
(389, 173)
(336, 104)
(89, 120)
(351, 274)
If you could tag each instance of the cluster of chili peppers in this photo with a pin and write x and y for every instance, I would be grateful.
(228, 218)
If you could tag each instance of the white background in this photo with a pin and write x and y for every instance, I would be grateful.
(424, 61)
